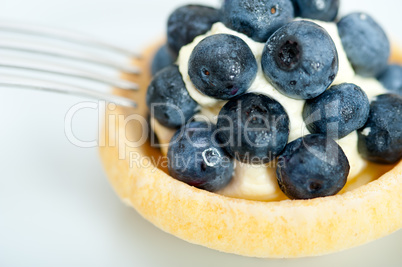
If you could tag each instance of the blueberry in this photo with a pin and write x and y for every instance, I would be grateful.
(339, 111)
(391, 78)
(380, 140)
(163, 58)
(255, 18)
(312, 166)
(222, 66)
(253, 128)
(324, 10)
(195, 158)
(168, 98)
(295, 8)
(300, 60)
(187, 22)
(365, 44)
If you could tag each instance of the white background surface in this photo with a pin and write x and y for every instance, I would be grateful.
(56, 206)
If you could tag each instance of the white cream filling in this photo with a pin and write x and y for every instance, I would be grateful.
(259, 182)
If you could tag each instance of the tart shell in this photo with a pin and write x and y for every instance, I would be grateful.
(281, 229)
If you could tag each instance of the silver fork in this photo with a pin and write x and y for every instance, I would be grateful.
(66, 60)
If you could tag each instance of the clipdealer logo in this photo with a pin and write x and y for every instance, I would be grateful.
(113, 133)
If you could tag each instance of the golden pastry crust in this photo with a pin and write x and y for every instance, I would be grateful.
(290, 228)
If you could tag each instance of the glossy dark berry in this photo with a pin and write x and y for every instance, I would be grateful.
(312, 166)
(380, 140)
(324, 10)
(365, 44)
(196, 159)
(253, 128)
(187, 22)
(391, 78)
(222, 66)
(256, 18)
(163, 58)
(300, 60)
(168, 99)
(337, 112)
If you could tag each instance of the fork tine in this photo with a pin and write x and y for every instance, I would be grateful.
(48, 48)
(65, 35)
(30, 83)
(43, 66)
(52, 50)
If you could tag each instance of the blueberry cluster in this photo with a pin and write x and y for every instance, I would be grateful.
(255, 18)
(300, 60)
